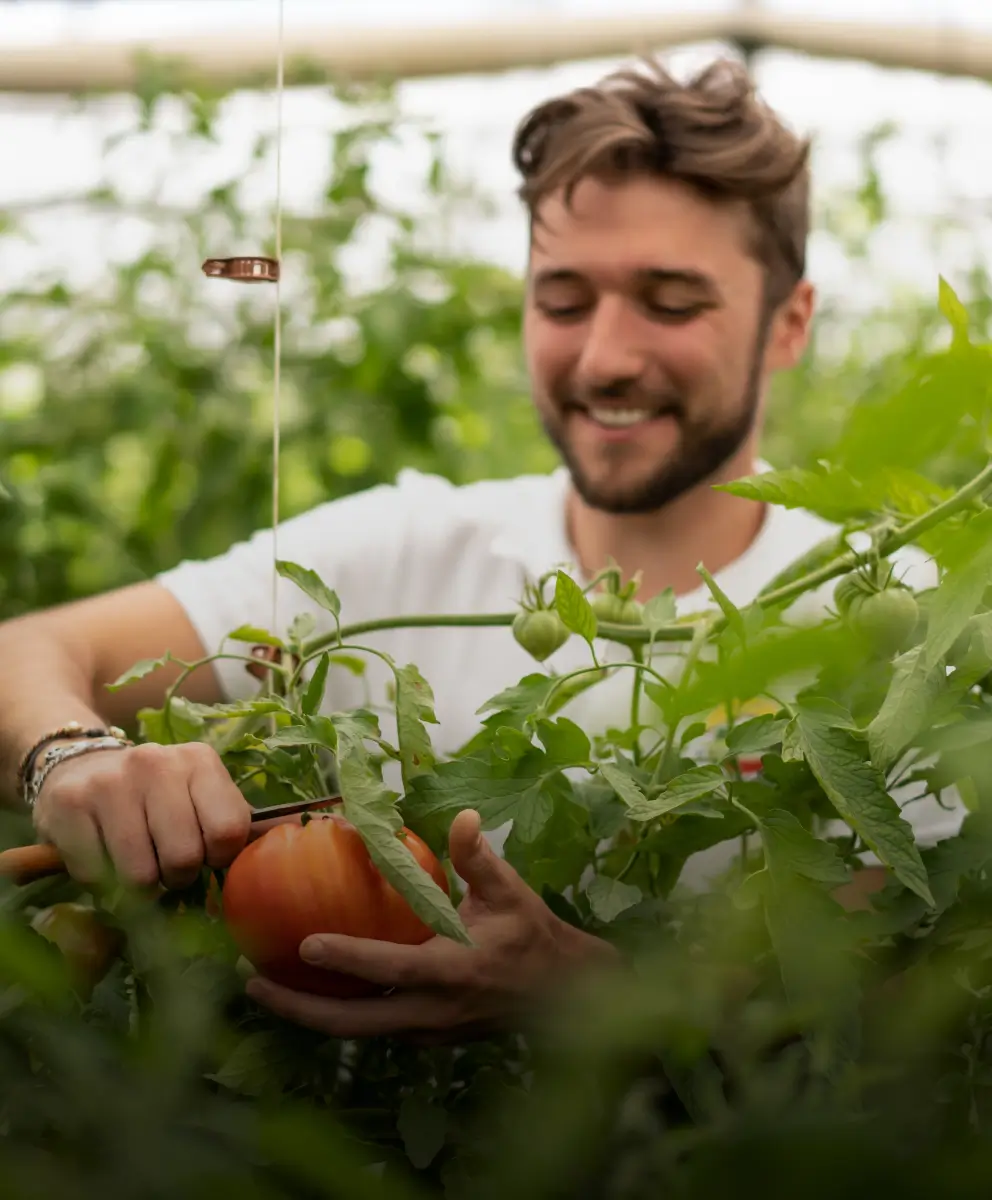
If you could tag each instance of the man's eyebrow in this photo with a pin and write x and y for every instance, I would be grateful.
(684, 275)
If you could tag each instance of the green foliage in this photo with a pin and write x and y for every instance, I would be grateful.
(763, 1038)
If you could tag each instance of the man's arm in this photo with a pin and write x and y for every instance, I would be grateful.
(154, 808)
(57, 663)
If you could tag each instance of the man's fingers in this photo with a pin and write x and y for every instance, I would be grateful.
(129, 843)
(490, 878)
(436, 963)
(376, 1017)
(81, 847)
(223, 813)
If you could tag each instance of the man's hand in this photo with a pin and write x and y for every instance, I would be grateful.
(160, 812)
(521, 951)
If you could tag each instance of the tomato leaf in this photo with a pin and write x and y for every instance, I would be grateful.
(301, 627)
(755, 735)
(907, 706)
(311, 583)
(733, 614)
(422, 1125)
(811, 938)
(140, 669)
(236, 708)
(566, 744)
(659, 611)
(533, 812)
(370, 807)
(314, 694)
(608, 898)
(464, 783)
(256, 635)
(969, 569)
(311, 731)
(626, 788)
(573, 608)
(414, 707)
(838, 759)
(953, 310)
(805, 854)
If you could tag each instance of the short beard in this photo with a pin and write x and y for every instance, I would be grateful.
(704, 450)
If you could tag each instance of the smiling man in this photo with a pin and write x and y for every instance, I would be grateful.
(665, 287)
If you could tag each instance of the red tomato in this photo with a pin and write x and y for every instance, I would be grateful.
(296, 880)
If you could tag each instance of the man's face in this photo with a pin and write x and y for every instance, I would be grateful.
(647, 340)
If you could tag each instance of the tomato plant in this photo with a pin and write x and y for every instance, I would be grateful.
(317, 877)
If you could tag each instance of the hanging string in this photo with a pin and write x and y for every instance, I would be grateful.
(277, 338)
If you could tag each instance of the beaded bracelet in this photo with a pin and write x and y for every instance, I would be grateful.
(61, 753)
(72, 731)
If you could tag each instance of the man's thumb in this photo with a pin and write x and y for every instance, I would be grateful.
(474, 859)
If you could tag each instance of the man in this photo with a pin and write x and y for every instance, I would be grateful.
(665, 286)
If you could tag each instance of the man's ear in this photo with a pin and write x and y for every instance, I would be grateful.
(791, 327)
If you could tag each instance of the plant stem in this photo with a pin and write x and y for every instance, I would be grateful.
(635, 703)
(633, 635)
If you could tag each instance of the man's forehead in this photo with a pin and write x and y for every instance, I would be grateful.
(645, 223)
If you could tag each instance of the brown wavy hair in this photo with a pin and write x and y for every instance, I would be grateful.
(712, 132)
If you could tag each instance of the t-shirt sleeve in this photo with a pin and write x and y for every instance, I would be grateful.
(358, 545)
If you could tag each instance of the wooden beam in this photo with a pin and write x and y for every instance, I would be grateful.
(320, 55)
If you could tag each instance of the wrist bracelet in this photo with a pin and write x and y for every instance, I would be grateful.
(52, 759)
(72, 731)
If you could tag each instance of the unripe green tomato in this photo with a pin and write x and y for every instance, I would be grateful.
(887, 619)
(614, 609)
(606, 606)
(849, 588)
(540, 633)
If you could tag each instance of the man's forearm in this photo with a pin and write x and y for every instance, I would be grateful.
(43, 686)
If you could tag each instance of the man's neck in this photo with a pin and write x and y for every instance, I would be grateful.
(666, 546)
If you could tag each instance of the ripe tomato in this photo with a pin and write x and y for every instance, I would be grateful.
(297, 880)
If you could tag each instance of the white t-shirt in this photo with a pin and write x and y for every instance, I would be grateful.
(426, 546)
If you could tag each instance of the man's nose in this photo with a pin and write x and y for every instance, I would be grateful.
(611, 355)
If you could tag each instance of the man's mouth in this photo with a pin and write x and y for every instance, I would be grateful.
(615, 416)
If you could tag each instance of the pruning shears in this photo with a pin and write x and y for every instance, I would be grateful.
(23, 864)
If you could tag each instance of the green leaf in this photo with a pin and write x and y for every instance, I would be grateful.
(422, 1125)
(139, 671)
(833, 494)
(371, 809)
(255, 635)
(573, 608)
(464, 783)
(755, 735)
(837, 757)
(414, 707)
(310, 582)
(236, 708)
(625, 787)
(608, 898)
(659, 611)
(792, 743)
(968, 573)
(533, 813)
(566, 744)
(953, 310)
(312, 731)
(301, 627)
(907, 707)
(805, 854)
(691, 785)
(729, 610)
(314, 694)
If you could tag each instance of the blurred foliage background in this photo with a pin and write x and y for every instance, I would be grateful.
(135, 416)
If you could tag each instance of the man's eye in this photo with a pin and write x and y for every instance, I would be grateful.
(675, 312)
(563, 312)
